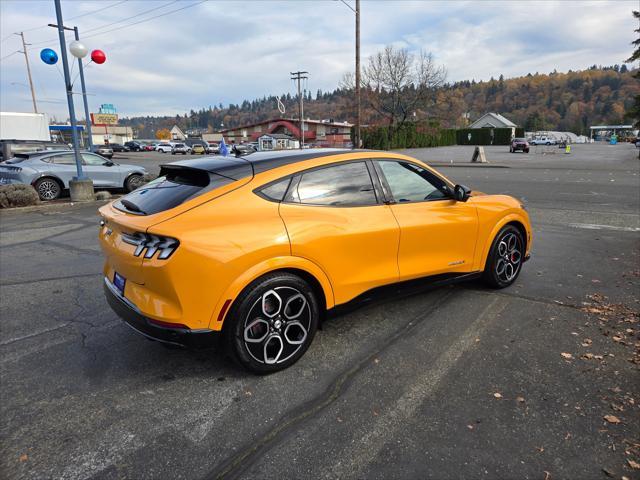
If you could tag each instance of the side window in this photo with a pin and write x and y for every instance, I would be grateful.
(89, 159)
(410, 183)
(346, 184)
(64, 159)
(275, 192)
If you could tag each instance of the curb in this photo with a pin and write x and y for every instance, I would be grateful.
(51, 206)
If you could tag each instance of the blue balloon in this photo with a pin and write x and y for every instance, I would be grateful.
(48, 56)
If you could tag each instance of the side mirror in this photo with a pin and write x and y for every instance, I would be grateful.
(461, 193)
(108, 163)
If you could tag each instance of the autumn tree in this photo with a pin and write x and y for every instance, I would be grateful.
(163, 134)
(396, 83)
(634, 111)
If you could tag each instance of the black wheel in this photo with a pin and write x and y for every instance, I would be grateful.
(505, 258)
(272, 323)
(47, 188)
(526, 150)
(132, 182)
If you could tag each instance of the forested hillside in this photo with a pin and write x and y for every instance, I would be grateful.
(557, 101)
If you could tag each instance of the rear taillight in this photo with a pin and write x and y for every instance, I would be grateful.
(150, 244)
(11, 168)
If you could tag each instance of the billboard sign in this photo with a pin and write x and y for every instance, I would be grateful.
(104, 118)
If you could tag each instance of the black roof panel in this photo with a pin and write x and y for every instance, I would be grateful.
(263, 161)
(240, 167)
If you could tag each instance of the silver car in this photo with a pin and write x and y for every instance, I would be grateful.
(50, 172)
(180, 148)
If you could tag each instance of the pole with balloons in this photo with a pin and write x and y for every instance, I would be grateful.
(79, 51)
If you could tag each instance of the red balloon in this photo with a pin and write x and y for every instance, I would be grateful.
(98, 56)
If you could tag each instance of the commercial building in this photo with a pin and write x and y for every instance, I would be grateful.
(103, 133)
(320, 133)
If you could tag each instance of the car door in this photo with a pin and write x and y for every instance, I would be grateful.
(64, 167)
(97, 169)
(335, 217)
(437, 234)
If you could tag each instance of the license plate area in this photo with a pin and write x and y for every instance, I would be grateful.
(119, 282)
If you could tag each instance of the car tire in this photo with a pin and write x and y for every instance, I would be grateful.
(505, 258)
(272, 323)
(48, 188)
(132, 182)
(526, 150)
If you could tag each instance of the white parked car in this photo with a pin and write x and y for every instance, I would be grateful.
(164, 147)
(544, 140)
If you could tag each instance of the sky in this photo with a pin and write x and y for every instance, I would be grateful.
(197, 54)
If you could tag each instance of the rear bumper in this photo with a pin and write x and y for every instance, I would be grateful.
(203, 338)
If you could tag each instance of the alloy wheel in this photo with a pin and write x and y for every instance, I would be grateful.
(48, 189)
(277, 325)
(508, 257)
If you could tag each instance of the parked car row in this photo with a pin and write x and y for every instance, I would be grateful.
(49, 171)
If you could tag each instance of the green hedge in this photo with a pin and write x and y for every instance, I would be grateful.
(416, 135)
(409, 135)
(484, 136)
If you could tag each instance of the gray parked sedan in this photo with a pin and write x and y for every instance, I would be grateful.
(50, 172)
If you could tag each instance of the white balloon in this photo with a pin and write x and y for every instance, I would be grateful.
(78, 49)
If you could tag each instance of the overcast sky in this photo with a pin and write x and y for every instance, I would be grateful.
(226, 51)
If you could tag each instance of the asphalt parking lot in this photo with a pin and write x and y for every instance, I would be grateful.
(540, 380)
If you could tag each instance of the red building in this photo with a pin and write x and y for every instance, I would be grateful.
(321, 133)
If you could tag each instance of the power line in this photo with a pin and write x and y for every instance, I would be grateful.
(71, 18)
(83, 15)
(10, 55)
(119, 21)
(146, 19)
(96, 11)
(129, 18)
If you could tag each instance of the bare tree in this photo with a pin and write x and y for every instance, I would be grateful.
(396, 83)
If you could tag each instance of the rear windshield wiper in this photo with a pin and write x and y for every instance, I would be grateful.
(132, 206)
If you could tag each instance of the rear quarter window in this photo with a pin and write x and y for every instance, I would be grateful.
(173, 188)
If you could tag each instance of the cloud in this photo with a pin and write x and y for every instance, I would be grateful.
(225, 52)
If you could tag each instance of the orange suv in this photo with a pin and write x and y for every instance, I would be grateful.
(255, 249)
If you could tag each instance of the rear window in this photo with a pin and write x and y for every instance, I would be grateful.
(174, 187)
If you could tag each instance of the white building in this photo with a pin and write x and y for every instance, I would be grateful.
(494, 120)
(277, 141)
(177, 133)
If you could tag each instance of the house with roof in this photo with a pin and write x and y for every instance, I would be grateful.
(494, 120)
(277, 141)
(177, 133)
(320, 133)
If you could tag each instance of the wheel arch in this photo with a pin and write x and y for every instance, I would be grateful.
(302, 267)
(512, 219)
(52, 177)
(134, 172)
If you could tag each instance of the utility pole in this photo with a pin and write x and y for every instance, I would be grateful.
(357, 135)
(84, 96)
(80, 187)
(300, 76)
(26, 59)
